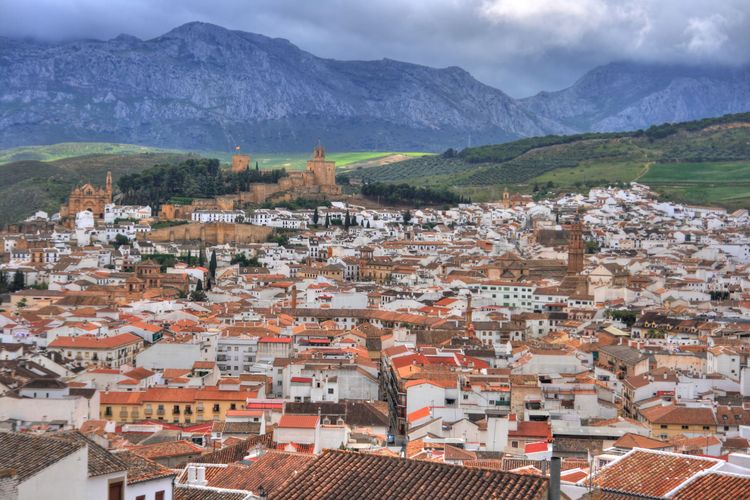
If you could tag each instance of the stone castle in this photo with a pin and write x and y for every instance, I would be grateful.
(88, 197)
(318, 180)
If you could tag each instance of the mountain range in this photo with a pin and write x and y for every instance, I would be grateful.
(203, 87)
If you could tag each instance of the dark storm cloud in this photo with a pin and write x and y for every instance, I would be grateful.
(520, 46)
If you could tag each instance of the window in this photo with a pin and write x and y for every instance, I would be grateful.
(705, 427)
(330, 390)
(662, 426)
(108, 411)
(232, 406)
(216, 407)
(159, 495)
(140, 497)
(685, 427)
(514, 444)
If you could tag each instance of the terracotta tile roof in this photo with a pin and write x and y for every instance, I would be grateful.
(167, 449)
(650, 473)
(27, 455)
(630, 441)
(341, 474)
(532, 430)
(94, 342)
(418, 414)
(270, 471)
(237, 452)
(142, 469)
(679, 415)
(715, 486)
(193, 493)
(289, 421)
(100, 461)
(120, 398)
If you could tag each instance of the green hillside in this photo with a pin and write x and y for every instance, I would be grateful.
(64, 150)
(33, 185)
(41, 177)
(705, 162)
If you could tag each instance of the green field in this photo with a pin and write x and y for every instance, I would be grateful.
(290, 161)
(712, 183)
(298, 161)
(64, 150)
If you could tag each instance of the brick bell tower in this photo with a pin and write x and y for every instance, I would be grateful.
(575, 247)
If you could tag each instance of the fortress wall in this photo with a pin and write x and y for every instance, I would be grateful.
(215, 233)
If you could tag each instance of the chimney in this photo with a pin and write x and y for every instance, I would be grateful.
(191, 474)
(201, 476)
(294, 297)
(554, 479)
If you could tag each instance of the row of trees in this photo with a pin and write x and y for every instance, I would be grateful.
(408, 194)
(194, 178)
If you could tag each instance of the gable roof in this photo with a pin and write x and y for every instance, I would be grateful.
(715, 485)
(632, 440)
(101, 461)
(27, 455)
(342, 474)
(141, 469)
(650, 473)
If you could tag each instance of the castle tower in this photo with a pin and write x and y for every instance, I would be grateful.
(506, 198)
(575, 247)
(324, 171)
(240, 162)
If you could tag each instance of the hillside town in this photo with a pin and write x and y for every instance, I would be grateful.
(576, 347)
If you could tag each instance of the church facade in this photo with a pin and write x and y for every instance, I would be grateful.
(88, 198)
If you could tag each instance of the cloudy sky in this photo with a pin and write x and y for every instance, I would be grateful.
(519, 46)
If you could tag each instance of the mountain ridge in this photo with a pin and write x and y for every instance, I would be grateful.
(201, 86)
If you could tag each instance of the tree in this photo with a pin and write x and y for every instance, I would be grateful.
(198, 296)
(407, 216)
(201, 258)
(212, 265)
(328, 221)
(18, 282)
(199, 285)
(368, 224)
(22, 303)
(347, 220)
(120, 240)
(3, 282)
(315, 217)
(257, 167)
(190, 258)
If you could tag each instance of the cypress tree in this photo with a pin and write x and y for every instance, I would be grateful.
(212, 265)
(18, 282)
(328, 221)
(316, 217)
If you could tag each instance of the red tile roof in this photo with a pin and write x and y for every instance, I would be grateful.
(650, 473)
(341, 474)
(715, 486)
(289, 421)
(167, 449)
(94, 342)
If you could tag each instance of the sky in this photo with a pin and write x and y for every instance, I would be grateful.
(519, 46)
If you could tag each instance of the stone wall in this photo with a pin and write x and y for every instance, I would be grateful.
(214, 233)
